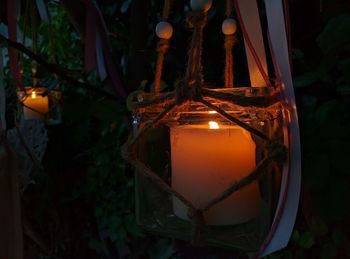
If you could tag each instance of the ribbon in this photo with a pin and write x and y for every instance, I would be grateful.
(12, 34)
(42, 10)
(101, 66)
(2, 96)
(287, 208)
(248, 12)
(107, 63)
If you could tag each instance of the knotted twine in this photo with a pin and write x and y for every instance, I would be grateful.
(190, 87)
(187, 89)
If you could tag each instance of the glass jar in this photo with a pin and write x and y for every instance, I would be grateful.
(200, 154)
(39, 107)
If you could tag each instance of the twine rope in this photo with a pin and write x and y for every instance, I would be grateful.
(162, 49)
(196, 21)
(229, 42)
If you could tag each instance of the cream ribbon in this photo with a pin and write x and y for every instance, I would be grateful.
(291, 178)
(250, 16)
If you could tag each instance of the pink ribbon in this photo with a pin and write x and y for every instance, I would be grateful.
(102, 32)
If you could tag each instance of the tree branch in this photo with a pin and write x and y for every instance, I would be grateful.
(55, 69)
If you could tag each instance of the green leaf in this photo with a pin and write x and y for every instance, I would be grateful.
(339, 153)
(335, 35)
(106, 110)
(344, 89)
(331, 202)
(306, 240)
(162, 250)
(329, 111)
(328, 251)
(319, 228)
(344, 66)
(316, 171)
(125, 6)
(298, 54)
(338, 238)
(306, 79)
(295, 236)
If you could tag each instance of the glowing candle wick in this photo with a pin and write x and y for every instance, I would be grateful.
(33, 95)
(213, 125)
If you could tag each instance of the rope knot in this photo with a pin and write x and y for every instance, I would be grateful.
(187, 91)
(163, 46)
(196, 215)
(278, 152)
(196, 19)
(229, 41)
(198, 223)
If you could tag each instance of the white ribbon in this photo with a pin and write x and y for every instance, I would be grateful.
(100, 60)
(42, 10)
(291, 178)
(250, 16)
(2, 95)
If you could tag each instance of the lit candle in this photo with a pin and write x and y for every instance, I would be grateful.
(35, 106)
(206, 160)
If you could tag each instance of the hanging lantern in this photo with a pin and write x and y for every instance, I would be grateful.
(39, 104)
(211, 164)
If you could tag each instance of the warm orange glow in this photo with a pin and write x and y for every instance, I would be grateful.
(213, 125)
(33, 95)
(205, 163)
(212, 112)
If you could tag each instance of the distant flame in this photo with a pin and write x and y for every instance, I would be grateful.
(33, 95)
(212, 112)
(213, 125)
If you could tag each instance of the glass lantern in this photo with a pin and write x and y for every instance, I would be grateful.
(199, 154)
(39, 107)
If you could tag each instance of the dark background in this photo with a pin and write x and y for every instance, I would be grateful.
(81, 205)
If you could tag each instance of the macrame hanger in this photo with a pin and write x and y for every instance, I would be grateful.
(194, 79)
(164, 31)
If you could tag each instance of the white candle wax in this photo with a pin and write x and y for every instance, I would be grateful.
(35, 106)
(205, 162)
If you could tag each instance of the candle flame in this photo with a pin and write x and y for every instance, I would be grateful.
(33, 95)
(212, 112)
(213, 125)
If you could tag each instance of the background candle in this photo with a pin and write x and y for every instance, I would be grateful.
(35, 106)
(207, 161)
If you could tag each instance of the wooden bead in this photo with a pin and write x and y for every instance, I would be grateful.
(229, 26)
(201, 5)
(164, 30)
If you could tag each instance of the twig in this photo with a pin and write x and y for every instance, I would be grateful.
(55, 69)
